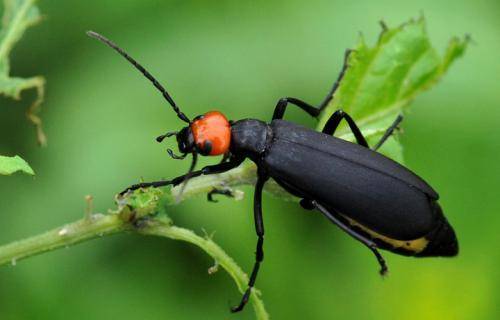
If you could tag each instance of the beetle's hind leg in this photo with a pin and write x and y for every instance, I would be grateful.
(259, 228)
(336, 84)
(367, 242)
(389, 132)
(333, 123)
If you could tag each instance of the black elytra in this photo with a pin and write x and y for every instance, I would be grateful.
(369, 196)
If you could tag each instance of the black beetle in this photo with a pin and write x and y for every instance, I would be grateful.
(371, 197)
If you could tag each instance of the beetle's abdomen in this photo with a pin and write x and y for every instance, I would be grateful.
(439, 242)
(361, 184)
(442, 240)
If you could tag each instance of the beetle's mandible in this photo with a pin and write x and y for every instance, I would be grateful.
(369, 196)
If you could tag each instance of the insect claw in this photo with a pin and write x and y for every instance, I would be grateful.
(166, 135)
(174, 156)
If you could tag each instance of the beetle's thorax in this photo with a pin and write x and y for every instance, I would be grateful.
(250, 137)
(211, 133)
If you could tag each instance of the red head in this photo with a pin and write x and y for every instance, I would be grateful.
(208, 134)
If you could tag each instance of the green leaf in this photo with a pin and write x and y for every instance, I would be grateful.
(9, 165)
(382, 80)
(18, 16)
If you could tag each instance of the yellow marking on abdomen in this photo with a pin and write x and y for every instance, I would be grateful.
(416, 245)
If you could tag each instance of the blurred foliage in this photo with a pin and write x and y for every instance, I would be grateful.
(18, 15)
(9, 165)
(240, 58)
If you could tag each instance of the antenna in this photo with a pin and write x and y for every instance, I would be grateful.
(148, 75)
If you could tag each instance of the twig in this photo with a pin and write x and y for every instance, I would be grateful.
(139, 212)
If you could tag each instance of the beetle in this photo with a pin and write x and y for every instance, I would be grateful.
(372, 198)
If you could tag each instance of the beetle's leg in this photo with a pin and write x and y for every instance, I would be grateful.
(259, 228)
(313, 111)
(225, 158)
(306, 204)
(389, 132)
(367, 242)
(218, 168)
(225, 192)
(335, 86)
(334, 121)
(279, 110)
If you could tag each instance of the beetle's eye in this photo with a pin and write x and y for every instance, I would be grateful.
(205, 148)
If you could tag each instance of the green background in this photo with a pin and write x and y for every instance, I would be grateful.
(101, 118)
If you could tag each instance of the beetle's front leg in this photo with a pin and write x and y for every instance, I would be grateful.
(333, 123)
(218, 168)
(279, 110)
(224, 192)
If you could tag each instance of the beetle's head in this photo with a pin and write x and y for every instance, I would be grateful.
(208, 134)
(185, 140)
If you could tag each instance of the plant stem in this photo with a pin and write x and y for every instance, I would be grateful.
(138, 212)
(78, 231)
(216, 252)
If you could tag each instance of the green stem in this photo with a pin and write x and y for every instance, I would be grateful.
(216, 252)
(143, 207)
(72, 233)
